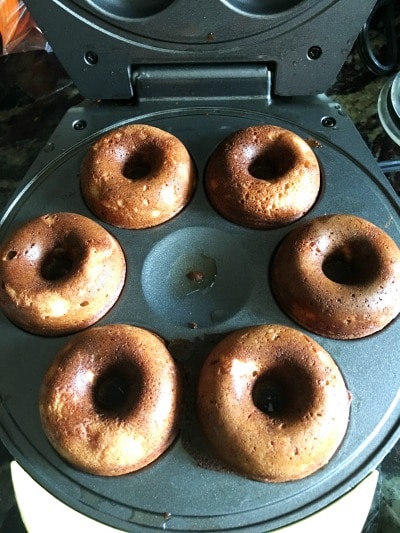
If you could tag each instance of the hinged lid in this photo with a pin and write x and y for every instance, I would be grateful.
(166, 82)
(101, 42)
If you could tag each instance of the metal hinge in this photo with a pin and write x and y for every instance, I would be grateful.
(199, 82)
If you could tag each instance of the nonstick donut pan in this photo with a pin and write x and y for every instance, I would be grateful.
(182, 491)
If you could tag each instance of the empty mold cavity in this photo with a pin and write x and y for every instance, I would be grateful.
(261, 7)
(188, 277)
(128, 9)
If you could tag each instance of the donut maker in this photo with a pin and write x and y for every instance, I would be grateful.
(201, 70)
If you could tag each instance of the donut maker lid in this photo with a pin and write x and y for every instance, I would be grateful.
(176, 492)
(103, 44)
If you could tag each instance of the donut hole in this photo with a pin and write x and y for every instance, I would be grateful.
(353, 263)
(272, 164)
(117, 389)
(269, 397)
(284, 392)
(57, 263)
(142, 163)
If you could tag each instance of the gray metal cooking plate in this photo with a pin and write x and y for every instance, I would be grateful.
(178, 492)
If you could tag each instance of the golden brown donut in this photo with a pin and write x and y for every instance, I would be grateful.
(263, 177)
(338, 276)
(59, 273)
(110, 400)
(272, 403)
(137, 176)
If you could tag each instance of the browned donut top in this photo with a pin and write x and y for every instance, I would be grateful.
(137, 176)
(339, 276)
(59, 273)
(263, 176)
(110, 400)
(273, 403)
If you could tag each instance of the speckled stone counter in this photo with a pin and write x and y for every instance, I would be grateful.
(34, 94)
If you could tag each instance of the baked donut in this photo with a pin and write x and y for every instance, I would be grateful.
(137, 176)
(338, 276)
(263, 177)
(272, 403)
(59, 273)
(110, 400)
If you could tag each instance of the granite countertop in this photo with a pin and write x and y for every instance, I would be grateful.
(34, 94)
